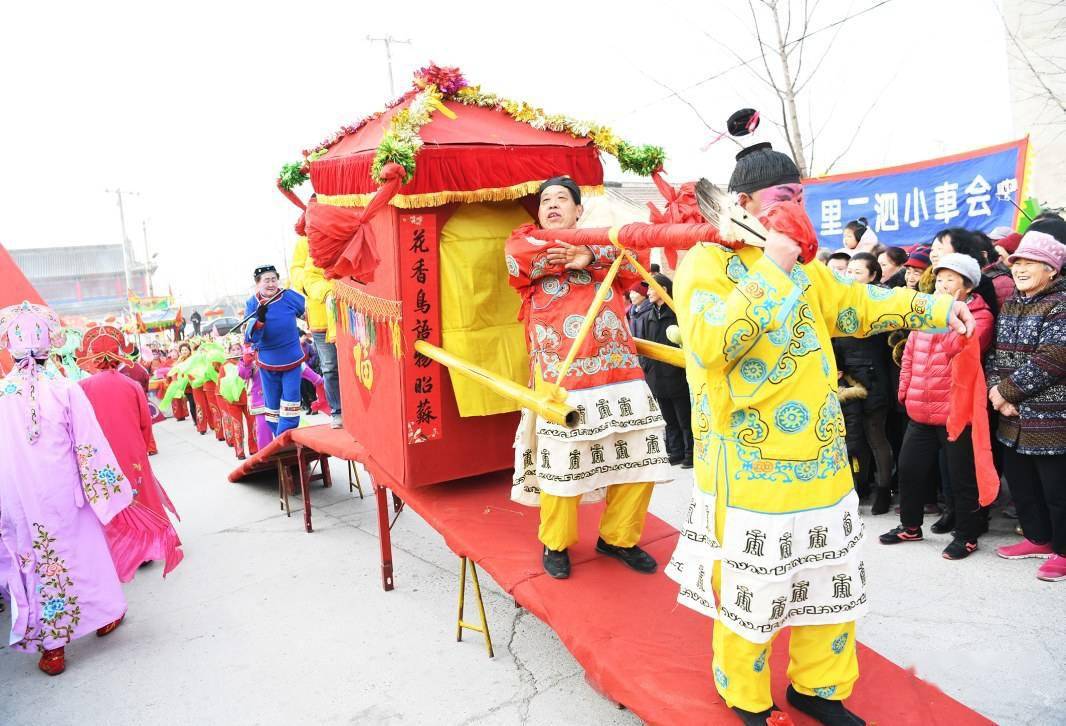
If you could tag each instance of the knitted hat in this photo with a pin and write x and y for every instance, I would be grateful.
(962, 264)
(919, 258)
(641, 288)
(1040, 247)
(760, 167)
(1009, 242)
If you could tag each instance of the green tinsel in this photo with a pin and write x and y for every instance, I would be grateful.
(390, 150)
(641, 160)
(292, 176)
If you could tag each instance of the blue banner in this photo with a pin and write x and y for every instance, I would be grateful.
(907, 205)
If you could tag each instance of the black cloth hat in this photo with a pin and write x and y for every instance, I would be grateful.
(743, 122)
(561, 181)
(259, 271)
(760, 167)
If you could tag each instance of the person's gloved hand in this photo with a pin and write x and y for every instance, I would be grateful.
(261, 313)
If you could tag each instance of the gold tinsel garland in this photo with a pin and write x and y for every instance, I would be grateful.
(436, 199)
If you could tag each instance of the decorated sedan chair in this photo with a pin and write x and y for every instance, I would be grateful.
(410, 213)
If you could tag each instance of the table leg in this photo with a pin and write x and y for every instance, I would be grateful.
(305, 486)
(385, 537)
(327, 475)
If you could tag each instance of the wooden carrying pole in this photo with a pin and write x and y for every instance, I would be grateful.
(660, 352)
(541, 403)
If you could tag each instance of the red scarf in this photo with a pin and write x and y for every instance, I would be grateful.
(968, 407)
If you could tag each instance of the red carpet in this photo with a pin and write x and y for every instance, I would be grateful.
(265, 458)
(636, 644)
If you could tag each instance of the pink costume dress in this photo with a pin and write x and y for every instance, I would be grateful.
(59, 484)
(142, 531)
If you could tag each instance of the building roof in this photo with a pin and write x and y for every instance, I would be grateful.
(43, 263)
(637, 194)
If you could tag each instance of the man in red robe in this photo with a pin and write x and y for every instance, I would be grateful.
(143, 531)
(617, 451)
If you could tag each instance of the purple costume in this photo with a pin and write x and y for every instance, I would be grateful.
(59, 485)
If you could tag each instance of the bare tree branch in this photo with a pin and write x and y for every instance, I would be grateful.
(743, 63)
(862, 119)
(1025, 59)
(691, 106)
(800, 85)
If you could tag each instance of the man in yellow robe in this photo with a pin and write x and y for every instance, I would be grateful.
(772, 536)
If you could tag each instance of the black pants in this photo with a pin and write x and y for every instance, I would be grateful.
(918, 461)
(192, 404)
(874, 429)
(1038, 484)
(308, 394)
(677, 413)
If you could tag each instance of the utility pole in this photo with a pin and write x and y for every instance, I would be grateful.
(127, 255)
(147, 259)
(388, 40)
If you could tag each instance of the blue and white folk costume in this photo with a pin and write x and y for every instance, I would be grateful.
(279, 356)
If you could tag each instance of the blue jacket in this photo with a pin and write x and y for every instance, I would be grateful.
(277, 342)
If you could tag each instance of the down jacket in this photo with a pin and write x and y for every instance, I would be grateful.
(925, 375)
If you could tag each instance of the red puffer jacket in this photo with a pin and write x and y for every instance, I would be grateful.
(925, 374)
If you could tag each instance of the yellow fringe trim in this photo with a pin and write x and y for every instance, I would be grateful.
(437, 199)
(376, 308)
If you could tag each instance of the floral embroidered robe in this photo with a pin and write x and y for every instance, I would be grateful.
(55, 496)
(621, 435)
(774, 501)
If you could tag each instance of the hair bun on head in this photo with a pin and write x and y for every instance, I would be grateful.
(742, 122)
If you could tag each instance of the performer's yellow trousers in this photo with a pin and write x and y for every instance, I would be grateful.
(821, 658)
(815, 668)
(621, 525)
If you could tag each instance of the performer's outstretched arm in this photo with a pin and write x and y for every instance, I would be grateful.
(858, 310)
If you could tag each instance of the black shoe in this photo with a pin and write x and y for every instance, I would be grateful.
(945, 524)
(959, 549)
(882, 501)
(901, 534)
(751, 718)
(556, 563)
(633, 556)
(686, 463)
(822, 710)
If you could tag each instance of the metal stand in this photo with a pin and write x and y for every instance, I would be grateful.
(353, 478)
(460, 623)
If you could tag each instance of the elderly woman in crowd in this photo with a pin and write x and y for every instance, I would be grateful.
(1027, 385)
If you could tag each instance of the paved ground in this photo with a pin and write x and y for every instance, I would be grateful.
(263, 624)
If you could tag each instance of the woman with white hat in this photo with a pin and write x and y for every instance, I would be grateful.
(925, 391)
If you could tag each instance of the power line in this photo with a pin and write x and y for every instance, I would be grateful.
(744, 63)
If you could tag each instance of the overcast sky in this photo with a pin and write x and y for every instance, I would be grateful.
(195, 106)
